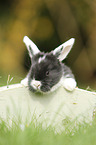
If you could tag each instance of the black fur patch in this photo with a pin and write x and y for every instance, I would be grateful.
(51, 65)
(30, 49)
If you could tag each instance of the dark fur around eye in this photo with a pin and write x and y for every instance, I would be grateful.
(48, 71)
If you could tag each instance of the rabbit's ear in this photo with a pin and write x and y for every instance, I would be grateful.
(32, 48)
(62, 51)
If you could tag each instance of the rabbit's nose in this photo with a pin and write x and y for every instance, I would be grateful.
(35, 84)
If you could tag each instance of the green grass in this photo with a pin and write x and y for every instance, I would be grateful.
(32, 135)
(18, 134)
(16, 79)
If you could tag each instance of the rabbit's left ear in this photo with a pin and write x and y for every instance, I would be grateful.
(31, 47)
(62, 51)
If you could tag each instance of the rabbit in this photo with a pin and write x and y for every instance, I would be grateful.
(47, 72)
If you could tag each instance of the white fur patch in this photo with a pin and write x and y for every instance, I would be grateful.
(69, 84)
(41, 58)
(28, 43)
(25, 82)
(36, 84)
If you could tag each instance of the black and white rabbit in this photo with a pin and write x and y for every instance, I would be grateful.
(47, 71)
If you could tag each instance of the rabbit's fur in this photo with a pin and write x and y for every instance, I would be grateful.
(47, 71)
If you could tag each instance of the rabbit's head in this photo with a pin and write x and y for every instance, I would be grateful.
(46, 69)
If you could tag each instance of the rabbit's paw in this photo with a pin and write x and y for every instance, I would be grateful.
(69, 84)
(24, 82)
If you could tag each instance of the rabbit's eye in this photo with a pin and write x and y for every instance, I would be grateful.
(47, 73)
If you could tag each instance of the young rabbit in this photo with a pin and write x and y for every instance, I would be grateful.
(47, 71)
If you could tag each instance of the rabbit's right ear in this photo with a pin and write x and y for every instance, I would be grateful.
(31, 47)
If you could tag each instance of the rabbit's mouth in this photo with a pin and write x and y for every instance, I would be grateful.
(45, 89)
(34, 85)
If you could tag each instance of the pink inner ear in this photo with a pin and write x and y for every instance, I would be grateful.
(66, 49)
(64, 53)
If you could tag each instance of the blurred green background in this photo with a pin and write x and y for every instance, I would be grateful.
(48, 23)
